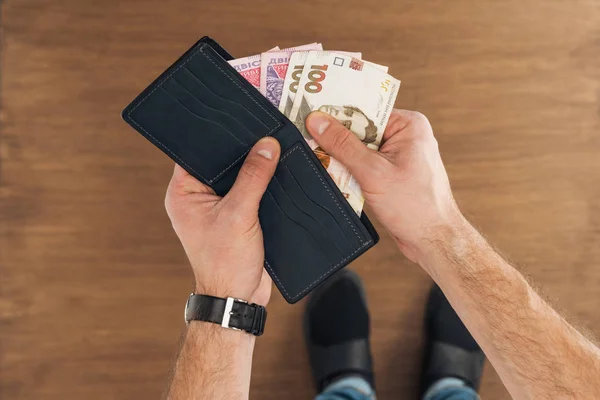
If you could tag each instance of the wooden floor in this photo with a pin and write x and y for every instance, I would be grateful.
(93, 280)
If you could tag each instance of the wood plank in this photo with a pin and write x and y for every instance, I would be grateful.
(93, 280)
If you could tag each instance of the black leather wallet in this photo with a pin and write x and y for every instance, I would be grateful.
(206, 117)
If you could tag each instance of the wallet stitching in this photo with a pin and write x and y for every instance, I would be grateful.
(309, 286)
(175, 156)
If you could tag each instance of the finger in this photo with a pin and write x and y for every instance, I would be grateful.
(410, 124)
(399, 121)
(184, 183)
(255, 175)
(340, 143)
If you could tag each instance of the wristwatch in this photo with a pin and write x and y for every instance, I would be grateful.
(228, 312)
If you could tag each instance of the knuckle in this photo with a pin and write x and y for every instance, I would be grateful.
(172, 199)
(435, 145)
(183, 184)
(402, 117)
(419, 118)
(421, 127)
(169, 199)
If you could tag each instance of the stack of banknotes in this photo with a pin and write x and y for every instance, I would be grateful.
(302, 79)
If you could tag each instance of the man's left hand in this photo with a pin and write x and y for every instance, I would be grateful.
(222, 236)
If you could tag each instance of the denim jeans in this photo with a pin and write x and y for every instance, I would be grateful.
(356, 388)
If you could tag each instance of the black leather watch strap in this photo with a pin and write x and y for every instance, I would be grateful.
(227, 312)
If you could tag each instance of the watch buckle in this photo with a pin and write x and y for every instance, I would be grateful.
(228, 312)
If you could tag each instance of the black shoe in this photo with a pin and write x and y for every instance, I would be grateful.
(451, 351)
(336, 330)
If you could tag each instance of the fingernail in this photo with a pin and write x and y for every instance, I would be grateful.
(266, 149)
(266, 154)
(318, 123)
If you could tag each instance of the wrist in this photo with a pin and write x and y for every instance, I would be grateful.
(225, 354)
(449, 239)
(220, 291)
(224, 291)
(222, 337)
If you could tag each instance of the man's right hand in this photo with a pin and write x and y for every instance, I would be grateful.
(536, 353)
(405, 182)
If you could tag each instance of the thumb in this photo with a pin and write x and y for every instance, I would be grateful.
(255, 175)
(340, 143)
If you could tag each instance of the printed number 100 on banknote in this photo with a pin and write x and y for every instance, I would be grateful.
(358, 94)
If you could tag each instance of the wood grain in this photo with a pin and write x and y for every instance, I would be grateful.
(93, 280)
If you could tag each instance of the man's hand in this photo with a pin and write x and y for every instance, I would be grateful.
(224, 243)
(404, 183)
(222, 236)
(537, 354)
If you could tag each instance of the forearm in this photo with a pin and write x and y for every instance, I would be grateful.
(214, 363)
(534, 350)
